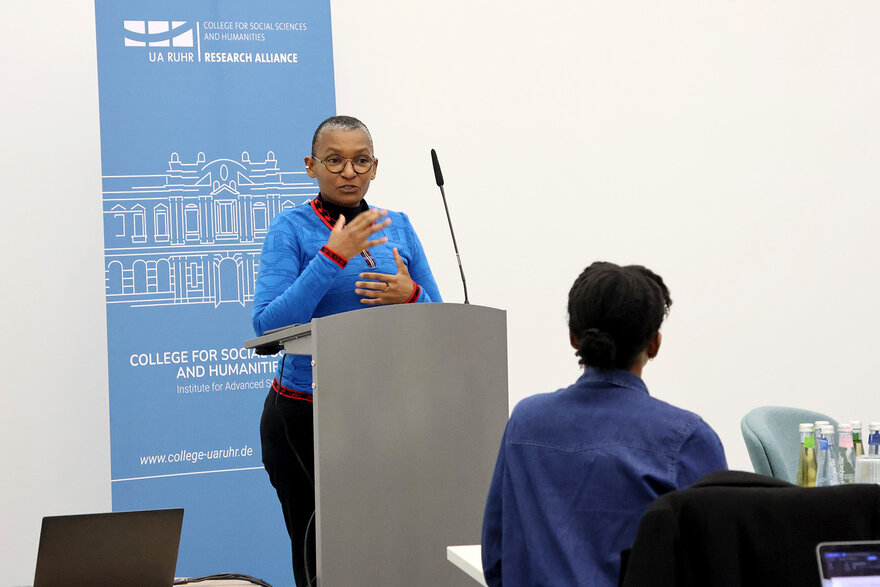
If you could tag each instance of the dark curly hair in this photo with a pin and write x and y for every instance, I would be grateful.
(614, 312)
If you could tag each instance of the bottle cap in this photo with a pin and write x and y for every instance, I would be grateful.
(827, 429)
(819, 423)
(856, 424)
(874, 426)
(844, 427)
(805, 427)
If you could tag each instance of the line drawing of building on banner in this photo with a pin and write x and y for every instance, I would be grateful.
(193, 234)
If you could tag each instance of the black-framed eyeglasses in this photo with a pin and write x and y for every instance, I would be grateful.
(335, 163)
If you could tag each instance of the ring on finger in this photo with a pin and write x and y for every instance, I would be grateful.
(387, 286)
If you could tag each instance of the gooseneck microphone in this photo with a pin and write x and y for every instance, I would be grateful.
(438, 175)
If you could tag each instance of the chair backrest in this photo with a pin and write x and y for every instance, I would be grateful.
(734, 528)
(772, 439)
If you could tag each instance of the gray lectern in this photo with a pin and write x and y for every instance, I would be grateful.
(410, 406)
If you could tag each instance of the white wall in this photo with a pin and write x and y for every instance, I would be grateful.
(54, 427)
(728, 146)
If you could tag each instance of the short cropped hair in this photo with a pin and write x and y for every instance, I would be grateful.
(340, 123)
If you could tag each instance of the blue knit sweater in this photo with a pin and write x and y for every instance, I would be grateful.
(298, 282)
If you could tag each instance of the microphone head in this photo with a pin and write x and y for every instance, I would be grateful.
(438, 175)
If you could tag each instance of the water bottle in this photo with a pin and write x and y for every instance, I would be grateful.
(826, 458)
(817, 442)
(822, 479)
(806, 470)
(846, 454)
(857, 437)
(874, 438)
(834, 471)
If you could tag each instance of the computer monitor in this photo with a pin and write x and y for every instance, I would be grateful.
(849, 564)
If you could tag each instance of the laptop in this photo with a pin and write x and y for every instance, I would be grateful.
(849, 564)
(136, 549)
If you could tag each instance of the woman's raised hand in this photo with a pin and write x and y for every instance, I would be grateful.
(356, 234)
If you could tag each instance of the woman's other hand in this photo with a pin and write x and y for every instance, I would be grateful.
(384, 288)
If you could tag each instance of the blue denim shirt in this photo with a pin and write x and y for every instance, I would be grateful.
(576, 470)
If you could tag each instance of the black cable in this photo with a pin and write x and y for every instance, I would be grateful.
(306, 551)
(287, 432)
(227, 576)
(305, 471)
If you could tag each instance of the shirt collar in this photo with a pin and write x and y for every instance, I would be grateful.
(616, 377)
(330, 212)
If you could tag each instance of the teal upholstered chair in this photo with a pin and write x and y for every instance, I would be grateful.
(772, 438)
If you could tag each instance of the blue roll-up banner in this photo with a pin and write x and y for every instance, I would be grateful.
(207, 109)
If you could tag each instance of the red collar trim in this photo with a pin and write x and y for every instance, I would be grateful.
(323, 214)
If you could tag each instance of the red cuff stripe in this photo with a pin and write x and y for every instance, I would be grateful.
(415, 293)
(334, 256)
(291, 393)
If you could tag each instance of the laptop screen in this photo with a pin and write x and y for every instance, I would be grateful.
(119, 548)
(848, 564)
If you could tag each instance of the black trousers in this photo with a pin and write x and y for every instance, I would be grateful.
(286, 436)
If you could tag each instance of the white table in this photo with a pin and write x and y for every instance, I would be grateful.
(469, 559)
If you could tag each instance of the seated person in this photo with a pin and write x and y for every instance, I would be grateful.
(578, 467)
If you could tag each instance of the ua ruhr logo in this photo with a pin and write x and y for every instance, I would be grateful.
(158, 33)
